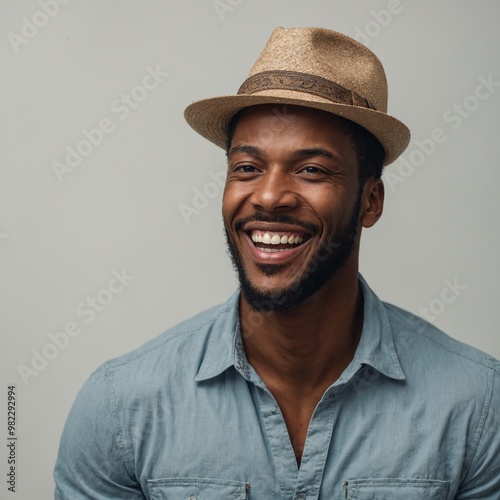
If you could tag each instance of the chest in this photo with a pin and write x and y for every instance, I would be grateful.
(243, 439)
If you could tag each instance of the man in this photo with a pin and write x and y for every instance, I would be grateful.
(303, 385)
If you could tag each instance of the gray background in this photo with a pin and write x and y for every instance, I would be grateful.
(120, 208)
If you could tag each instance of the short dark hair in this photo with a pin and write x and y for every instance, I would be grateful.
(369, 152)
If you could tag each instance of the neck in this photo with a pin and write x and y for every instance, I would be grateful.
(308, 347)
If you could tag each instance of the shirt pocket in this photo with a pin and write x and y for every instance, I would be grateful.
(395, 489)
(197, 489)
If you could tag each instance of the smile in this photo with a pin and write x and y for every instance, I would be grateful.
(274, 241)
(275, 238)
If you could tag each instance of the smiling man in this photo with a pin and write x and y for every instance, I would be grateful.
(303, 385)
(294, 192)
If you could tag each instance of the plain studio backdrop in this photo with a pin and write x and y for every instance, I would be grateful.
(110, 226)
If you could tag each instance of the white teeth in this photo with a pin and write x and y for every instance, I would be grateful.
(276, 239)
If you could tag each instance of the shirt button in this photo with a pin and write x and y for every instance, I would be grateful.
(331, 395)
(302, 494)
(192, 497)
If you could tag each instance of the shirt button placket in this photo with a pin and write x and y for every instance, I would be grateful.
(319, 437)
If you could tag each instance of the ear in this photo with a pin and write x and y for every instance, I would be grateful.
(373, 202)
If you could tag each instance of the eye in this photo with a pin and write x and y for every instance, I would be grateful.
(245, 169)
(313, 170)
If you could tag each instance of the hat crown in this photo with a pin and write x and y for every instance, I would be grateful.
(326, 54)
(314, 68)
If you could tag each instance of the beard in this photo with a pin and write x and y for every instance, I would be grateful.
(324, 264)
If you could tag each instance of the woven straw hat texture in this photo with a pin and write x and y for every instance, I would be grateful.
(316, 68)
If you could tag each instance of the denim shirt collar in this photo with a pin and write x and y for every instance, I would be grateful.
(221, 351)
(376, 346)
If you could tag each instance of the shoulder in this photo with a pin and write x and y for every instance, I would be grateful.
(421, 343)
(181, 342)
(425, 349)
(408, 327)
(192, 330)
(176, 354)
(458, 387)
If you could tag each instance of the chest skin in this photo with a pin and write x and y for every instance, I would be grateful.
(297, 413)
(297, 422)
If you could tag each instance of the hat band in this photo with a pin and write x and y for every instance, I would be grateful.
(303, 82)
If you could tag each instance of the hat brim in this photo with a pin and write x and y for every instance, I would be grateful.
(210, 117)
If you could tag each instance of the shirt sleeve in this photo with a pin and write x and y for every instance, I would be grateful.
(90, 463)
(482, 480)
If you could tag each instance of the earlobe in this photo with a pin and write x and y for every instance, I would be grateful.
(373, 202)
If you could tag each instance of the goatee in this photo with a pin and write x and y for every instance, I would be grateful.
(324, 264)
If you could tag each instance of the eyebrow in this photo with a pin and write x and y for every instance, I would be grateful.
(310, 152)
(251, 150)
(301, 153)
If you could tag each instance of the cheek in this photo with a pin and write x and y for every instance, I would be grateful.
(328, 202)
(229, 204)
(233, 199)
(332, 206)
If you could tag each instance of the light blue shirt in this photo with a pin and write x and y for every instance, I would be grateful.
(415, 415)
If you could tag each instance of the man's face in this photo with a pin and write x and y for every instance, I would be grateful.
(291, 203)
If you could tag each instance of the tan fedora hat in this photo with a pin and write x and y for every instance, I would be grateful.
(316, 68)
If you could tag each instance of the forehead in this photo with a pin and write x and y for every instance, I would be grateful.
(288, 127)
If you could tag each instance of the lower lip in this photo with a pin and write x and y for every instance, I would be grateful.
(281, 257)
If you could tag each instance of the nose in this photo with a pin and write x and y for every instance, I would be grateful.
(274, 192)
